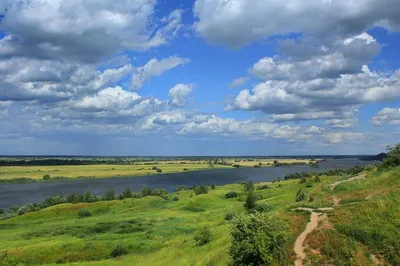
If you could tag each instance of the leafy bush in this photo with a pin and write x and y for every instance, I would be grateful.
(147, 192)
(229, 215)
(160, 192)
(27, 208)
(84, 213)
(110, 195)
(259, 239)
(51, 201)
(13, 209)
(392, 158)
(201, 190)
(263, 187)
(74, 198)
(89, 197)
(176, 198)
(303, 180)
(203, 236)
(301, 195)
(137, 195)
(231, 194)
(317, 179)
(126, 194)
(1, 211)
(309, 183)
(212, 186)
(249, 186)
(180, 188)
(251, 201)
(119, 250)
(159, 170)
(154, 168)
(46, 177)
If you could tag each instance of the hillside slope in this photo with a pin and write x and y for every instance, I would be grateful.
(359, 224)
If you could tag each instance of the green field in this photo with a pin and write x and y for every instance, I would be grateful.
(160, 231)
(117, 170)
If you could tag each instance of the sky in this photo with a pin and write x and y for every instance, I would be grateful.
(203, 77)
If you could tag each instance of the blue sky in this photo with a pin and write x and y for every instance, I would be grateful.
(204, 77)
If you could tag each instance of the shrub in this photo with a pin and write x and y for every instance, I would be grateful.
(212, 186)
(301, 195)
(309, 183)
(146, 191)
(317, 179)
(263, 187)
(1, 211)
(201, 190)
(154, 168)
(392, 158)
(203, 236)
(185, 169)
(27, 208)
(89, 197)
(74, 198)
(137, 195)
(303, 180)
(51, 201)
(119, 250)
(126, 194)
(262, 208)
(46, 177)
(180, 188)
(160, 192)
(231, 194)
(176, 198)
(13, 209)
(229, 215)
(159, 170)
(259, 239)
(250, 201)
(110, 195)
(84, 213)
(249, 186)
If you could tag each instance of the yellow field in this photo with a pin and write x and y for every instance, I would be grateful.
(103, 171)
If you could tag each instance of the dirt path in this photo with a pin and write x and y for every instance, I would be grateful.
(299, 245)
(359, 177)
(316, 216)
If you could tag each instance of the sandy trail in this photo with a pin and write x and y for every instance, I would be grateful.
(359, 177)
(299, 245)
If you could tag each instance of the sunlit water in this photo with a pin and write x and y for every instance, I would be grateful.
(21, 194)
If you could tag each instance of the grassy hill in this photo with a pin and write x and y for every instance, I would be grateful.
(361, 228)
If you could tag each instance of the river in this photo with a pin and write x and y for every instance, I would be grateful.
(21, 194)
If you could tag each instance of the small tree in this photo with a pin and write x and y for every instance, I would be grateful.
(46, 177)
(180, 188)
(392, 158)
(110, 195)
(119, 250)
(74, 198)
(89, 197)
(301, 195)
(251, 201)
(201, 190)
(249, 186)
(159, 170)
(1, 211)
(203, 236)
(146, 191)
(231, 194)
(212, 186)
(259, 239)
(84, 213)
(126, 194)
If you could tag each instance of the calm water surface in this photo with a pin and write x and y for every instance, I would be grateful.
(21, 194)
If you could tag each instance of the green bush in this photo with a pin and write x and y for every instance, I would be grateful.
(55, 200)
(1, 211)
(110, 195)
(212, 186)
(251, 201)
(392, 158)
(203, 236)
(303, 180)
(231, 194)
(309, 183)
(159, 170)
(84, 213)
(249, 186)
(180, 188)
(301, 195)
(259, 239)
(46, 177)
(160, 192)
(126, 194)
(119, 250)
(74, 198)
(176, 198)
(147, 192)
(137, 195)
(13, 209)
(201, 190)
(27, 208)
(229, 215)
(263, 187)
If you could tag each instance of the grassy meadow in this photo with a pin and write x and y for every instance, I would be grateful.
(118, 170)
(362, 228)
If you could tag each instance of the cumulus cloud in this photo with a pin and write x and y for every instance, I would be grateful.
(155, 68)
(236, 23)
(84, 31)
(387, 115)
(179, 93)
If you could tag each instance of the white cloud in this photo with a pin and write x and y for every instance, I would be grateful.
(236, 23)
(387, 115)
(238, 82)
(82, 30)
(155, 68)
(179, 94)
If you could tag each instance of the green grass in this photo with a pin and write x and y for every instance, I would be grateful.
(154, 231)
